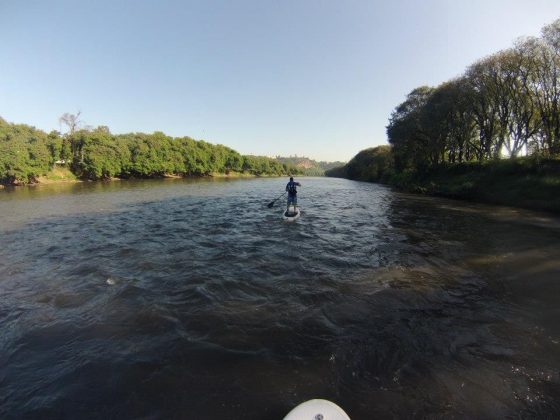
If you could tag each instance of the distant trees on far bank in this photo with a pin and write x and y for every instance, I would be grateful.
(307, 166)
(27, 153)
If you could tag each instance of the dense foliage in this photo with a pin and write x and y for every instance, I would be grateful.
(373, 165)
(27, 153)
(507, 104)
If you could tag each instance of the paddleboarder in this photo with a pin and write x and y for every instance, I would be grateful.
(292, 193)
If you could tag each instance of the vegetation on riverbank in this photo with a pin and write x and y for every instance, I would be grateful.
(464, 138)
(371, 165)
(58, 174)
(308, 167)
(28, 155)
(531, 182)
(527, 182)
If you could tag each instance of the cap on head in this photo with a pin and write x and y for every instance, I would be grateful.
(291, 178)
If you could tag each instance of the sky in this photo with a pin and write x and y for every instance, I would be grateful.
(312, 78)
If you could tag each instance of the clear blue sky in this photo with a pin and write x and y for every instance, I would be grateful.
(306, 77)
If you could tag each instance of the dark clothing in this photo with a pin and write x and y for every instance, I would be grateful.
(291, 188)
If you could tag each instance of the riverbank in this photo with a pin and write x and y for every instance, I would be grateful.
(57, 175)
(62, 175)
(527, 182)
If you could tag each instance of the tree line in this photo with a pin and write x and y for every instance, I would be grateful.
(27, 153)
(504, 105)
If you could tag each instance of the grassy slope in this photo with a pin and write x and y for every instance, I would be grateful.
(522, 182)
(58, 174)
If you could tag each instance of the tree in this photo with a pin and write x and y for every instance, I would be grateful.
(549, 78)
(405, 131)
(373, 165)
(24, 153)
(461, 121)
(72, 121)
(488, 105)
(54, 143)
(524, 122)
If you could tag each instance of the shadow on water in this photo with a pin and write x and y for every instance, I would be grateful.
(175, 300)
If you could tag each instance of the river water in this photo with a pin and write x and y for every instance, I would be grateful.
(192, 299)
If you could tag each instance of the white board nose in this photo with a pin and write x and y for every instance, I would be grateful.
(317, 410)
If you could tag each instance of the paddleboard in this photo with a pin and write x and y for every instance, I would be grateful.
(317, 410)
(291, 214)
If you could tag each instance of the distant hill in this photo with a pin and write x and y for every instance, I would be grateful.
(308, 166)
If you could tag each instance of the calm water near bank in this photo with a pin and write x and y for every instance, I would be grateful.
(191, 299)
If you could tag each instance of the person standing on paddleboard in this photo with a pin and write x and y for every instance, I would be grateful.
(292, 193)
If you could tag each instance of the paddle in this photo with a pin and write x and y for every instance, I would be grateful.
(274, 201)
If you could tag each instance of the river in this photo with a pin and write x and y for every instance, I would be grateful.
(192, 299)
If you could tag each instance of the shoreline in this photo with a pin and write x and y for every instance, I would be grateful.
(524, 182)
(44, 180)
(531, 190)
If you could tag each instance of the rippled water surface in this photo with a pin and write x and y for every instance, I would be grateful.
(192, 299)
